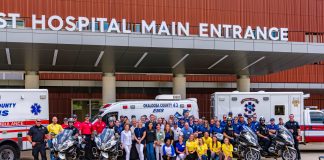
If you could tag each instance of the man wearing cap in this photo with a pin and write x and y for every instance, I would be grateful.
(249, 124)
(99, 125)
(65, 123)
(37, 135)
(224, 121)
(86, 130)
(255, 122)
(177, 132)
(186, 116)
(272, 127)
(77, 124)
(230, 114)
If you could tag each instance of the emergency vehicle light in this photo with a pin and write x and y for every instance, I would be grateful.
(188, 105)
(106, 105)
(125, 107)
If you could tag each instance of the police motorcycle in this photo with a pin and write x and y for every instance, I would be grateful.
(282, 145)
(107, 145)
(247, 145)
(65, 145)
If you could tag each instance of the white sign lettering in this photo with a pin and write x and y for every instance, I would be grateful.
(100, 24)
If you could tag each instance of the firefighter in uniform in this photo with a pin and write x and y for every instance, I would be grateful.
(37, 135)
(86, 131)
(294, 128)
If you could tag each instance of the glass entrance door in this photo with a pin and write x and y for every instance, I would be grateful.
(81, 107)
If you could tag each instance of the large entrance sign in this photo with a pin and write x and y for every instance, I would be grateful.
(72, 24)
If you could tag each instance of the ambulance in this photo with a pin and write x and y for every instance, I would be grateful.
(162, 107)
(19, 108)
(272, 105)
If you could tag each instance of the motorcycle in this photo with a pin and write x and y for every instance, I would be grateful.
(247, 145)
(107, 145)
(65, 145)
(282, 145)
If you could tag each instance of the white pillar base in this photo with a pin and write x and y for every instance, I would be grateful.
(31, 80)
(243, 83)
(108, 88)
(179, 85)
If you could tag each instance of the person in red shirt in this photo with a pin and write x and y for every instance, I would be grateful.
(99, 125)
(77, 124)
(86, 131)
(65, 123)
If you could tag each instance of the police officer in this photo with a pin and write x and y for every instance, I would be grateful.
(229, 131)
(263, 134)
(294, 128)
(75, 131)
(37, 135)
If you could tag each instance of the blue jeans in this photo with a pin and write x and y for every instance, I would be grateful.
(150, 151)
(50, 145)
(216, 157)
(204, 157)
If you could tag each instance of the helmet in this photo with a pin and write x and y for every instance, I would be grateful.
(70, 120)
(111, 119)
(229, 119)
(262, 119)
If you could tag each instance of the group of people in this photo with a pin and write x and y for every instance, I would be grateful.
(177, 138)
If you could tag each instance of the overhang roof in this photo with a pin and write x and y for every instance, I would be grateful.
(33, 50)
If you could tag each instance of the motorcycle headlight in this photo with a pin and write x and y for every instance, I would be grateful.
(65, 145)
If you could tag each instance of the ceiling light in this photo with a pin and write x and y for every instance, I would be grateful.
(99, 58)
(253, 63)
(140, 60)
(55, 57)
(183, 58)
(213, 65)
(8, 56)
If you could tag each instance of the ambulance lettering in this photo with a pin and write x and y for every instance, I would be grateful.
(158, 110)
(4, 108)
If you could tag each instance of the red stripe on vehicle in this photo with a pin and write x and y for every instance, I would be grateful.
(15, 130)
(314, 138)
(312, 127)
(22, 123)
(14, 139)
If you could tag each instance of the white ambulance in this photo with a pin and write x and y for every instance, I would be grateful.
(18, 110)
(272, 105)
(162, 107)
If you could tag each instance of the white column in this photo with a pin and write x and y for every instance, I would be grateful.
(108, 88)
(179, 85)
(243, 83)
(31, 80)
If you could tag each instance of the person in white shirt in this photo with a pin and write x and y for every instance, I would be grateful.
(177, 132)
(160, 136)
(126, 140)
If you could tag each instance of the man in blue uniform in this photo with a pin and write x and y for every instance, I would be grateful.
(272, 127)
(37, 135)
(249, 124)
(294, 128)
(224, 121)
(255, 122)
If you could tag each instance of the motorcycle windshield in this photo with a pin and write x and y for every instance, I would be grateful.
(63, 136)
(106, 135)
(249, 130)
(285, 133)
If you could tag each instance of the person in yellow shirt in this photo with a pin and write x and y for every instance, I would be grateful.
(227, 148)
(216, 149)
(53, 129)
(191, 148)
(207, 140)
(202, 150)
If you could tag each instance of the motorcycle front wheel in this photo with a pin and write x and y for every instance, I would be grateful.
(252, 155)
(289, 154)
